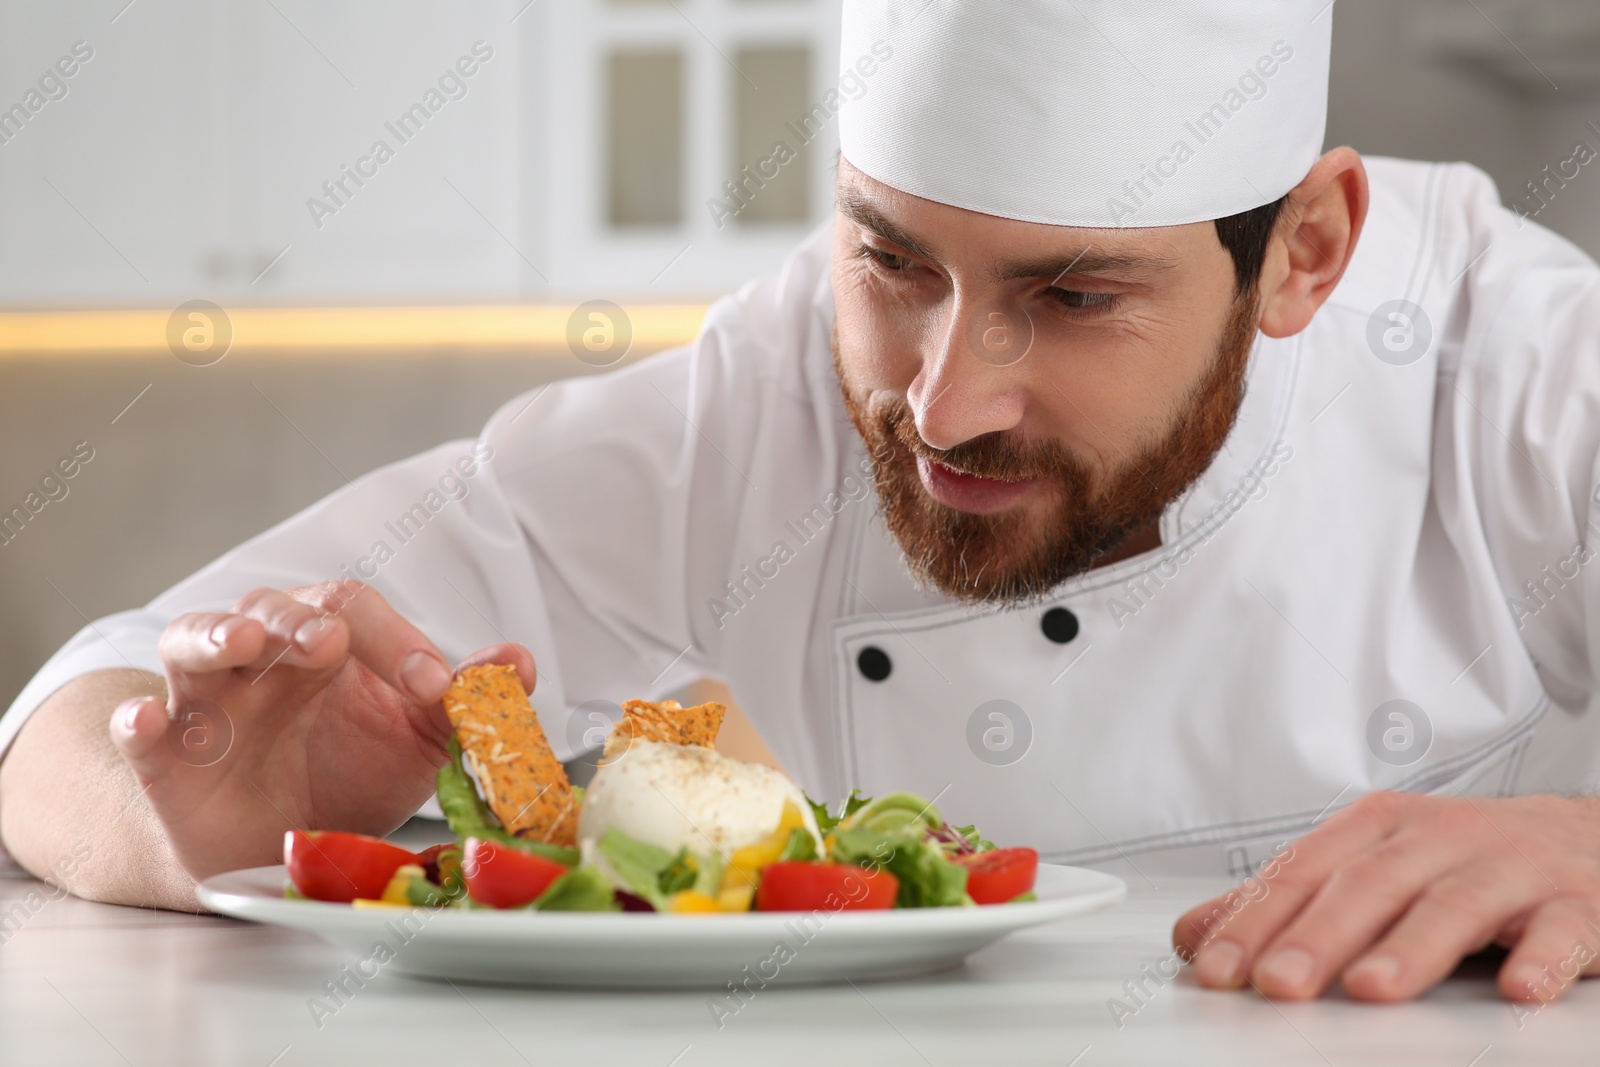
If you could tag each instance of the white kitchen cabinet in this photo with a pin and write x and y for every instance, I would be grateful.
(189, 155)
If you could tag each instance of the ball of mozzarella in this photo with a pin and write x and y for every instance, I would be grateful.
(676, 796)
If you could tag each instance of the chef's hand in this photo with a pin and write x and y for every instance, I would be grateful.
(316, 708)
(1390, 893)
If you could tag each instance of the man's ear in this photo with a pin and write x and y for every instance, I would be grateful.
(1315, 239)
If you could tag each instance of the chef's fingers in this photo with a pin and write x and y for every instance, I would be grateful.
(1511, 932)
(510, 655)
(200, 650)
(382, 638)
(1358, 901)
(1560, 942)
(1454, 917)
(298, 633)
(1222, 935)
(139, 731)
(203, 653)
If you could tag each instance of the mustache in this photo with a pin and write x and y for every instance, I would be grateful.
(996, 455)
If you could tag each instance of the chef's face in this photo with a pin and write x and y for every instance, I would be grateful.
(1033, 396)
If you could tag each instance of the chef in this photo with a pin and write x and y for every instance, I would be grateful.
(1115, 466)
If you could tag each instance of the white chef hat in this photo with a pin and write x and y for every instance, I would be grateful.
(1087, 112)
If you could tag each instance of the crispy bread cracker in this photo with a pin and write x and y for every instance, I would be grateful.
(668, 722)
(502, 741)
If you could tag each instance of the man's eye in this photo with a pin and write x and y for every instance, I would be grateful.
(1077, 299)
(888, 260)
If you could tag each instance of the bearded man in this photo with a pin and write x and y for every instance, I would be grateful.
(1116, 465)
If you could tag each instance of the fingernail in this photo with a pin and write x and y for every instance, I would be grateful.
(127, 712)
(424, 676)
(219, 633)
(1380, 967)
(1218, 964)
(310, 633)
(1287, 969)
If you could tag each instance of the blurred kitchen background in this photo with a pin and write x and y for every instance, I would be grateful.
(540, 154)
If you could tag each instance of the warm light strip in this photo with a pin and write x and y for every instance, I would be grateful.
(57, 332)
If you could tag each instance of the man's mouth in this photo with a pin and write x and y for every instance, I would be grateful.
(971, 493)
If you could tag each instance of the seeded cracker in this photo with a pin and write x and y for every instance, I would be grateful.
(501, 740)
(668, 722)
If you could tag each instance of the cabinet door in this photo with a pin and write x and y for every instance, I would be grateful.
(382, 151)
(677, 102)
(117, 180)
(286, 151)
(187, 157)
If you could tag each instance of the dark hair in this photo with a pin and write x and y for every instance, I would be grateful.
(1245, 236)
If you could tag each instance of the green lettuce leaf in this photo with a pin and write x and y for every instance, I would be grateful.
(709, 872)
(469, 816)
(927, 878)
(893, 813)
(896, 833)
(638, 865)
(423, 893)
(826, 822)
(583, 888)
(681, 873)
(463, 808)
(654, 874)
(975, 841)
(800, 847)
(567, 857)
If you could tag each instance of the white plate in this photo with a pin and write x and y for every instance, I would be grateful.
(645, 950)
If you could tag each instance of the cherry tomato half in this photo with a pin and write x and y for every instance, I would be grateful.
(999, 875)
(825, 886)
(503, 876)
(339, 867)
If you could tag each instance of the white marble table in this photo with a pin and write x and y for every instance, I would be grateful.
(90, 984)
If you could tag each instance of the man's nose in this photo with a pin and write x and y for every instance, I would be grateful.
(971, 382)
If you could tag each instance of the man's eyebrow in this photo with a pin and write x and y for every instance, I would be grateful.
(1089, 261)
(864, 213)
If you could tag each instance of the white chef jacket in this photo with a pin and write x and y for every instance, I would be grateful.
(1364, 537)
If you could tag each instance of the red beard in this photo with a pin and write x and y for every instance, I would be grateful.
(1012, 556)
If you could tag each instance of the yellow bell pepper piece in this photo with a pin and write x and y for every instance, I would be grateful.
(691, 902)
(736, 897)
(745, 865)
(394, 894)
(395, 891)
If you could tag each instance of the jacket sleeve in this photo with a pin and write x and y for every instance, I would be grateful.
(574, 524)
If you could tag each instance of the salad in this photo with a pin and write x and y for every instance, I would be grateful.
(667, 825)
